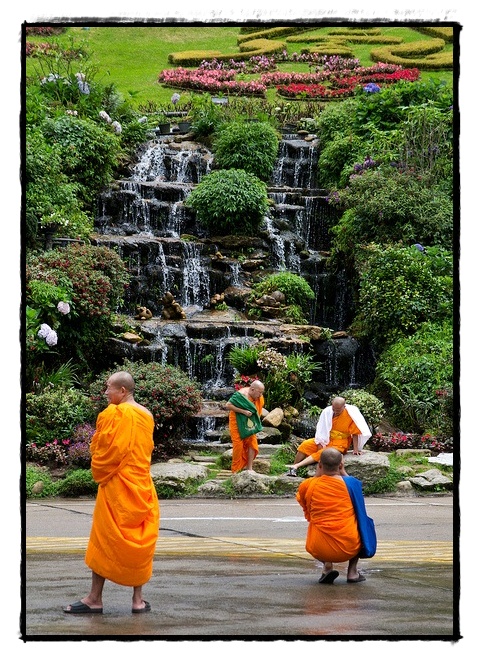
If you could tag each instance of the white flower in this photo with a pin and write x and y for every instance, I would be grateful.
(51, 338)
(175, 98)
(80, 76)
(104, 115)
(117, 127)
(83, 87)
(45, 329)
(63, 307)
(142, 120)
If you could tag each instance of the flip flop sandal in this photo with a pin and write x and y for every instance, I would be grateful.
(360, 578)
(329, 577)
(141, 610)
(82, 608)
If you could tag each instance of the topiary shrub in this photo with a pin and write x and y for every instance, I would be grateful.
(247, 145)
(170, 395)
(230, 202)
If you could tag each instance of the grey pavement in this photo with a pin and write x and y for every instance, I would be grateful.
(238, 570)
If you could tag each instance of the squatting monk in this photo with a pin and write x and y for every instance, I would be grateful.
(126, 515)
(333, 534)
(340, 426)
(244, 422)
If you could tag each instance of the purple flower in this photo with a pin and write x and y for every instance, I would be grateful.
(63, 307)
(175, 98)
(371, 88)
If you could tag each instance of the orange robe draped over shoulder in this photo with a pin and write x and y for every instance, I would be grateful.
(332, 531)
(240, 447)
(343, 427)
(126, 515)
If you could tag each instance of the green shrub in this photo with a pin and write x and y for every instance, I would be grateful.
(89, 152)
(416, 374)
(402, 288)
(230, 202)
(247, 145)
(205, 116)
(244, 359)
(167, 392)
(48, 189)
(95, 278)
(77, 483)
(369, 405)
(390, 206)
(34, 474)
(54, 413)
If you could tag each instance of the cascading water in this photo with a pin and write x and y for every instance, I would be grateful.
(144, 218)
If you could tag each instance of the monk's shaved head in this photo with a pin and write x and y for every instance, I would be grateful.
(330, 458)
(122, 379)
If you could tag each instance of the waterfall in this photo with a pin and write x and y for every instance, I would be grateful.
(143, 218)
(196, 280)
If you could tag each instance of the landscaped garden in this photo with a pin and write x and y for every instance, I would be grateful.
(380, 102)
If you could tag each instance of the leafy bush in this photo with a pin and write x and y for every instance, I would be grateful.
(391, 206)
(205, 116)
(385, 109)
(415, 375)
(55, 413)
(369, 405)
(95, 279)
(230, 202)
(89, 152)
(77, 483)
(401, 288)
(246, 145)
(244, 359)
(53, 454)
(167, 392)
(49, 189)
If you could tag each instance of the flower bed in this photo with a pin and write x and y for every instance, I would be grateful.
(330, 82)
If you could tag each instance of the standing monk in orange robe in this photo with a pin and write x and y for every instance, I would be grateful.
(333, 534)
(244, 451)
(126, 515)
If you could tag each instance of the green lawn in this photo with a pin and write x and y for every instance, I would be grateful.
(132, 57)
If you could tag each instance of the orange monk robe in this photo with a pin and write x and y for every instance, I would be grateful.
(343, 427)
(240, 447)
(126, 515)
(332, 532)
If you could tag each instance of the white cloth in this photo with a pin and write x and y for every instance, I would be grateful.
(324, 426)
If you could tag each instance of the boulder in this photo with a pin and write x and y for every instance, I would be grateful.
(369, 467)
(274, 418)
(431, 479)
